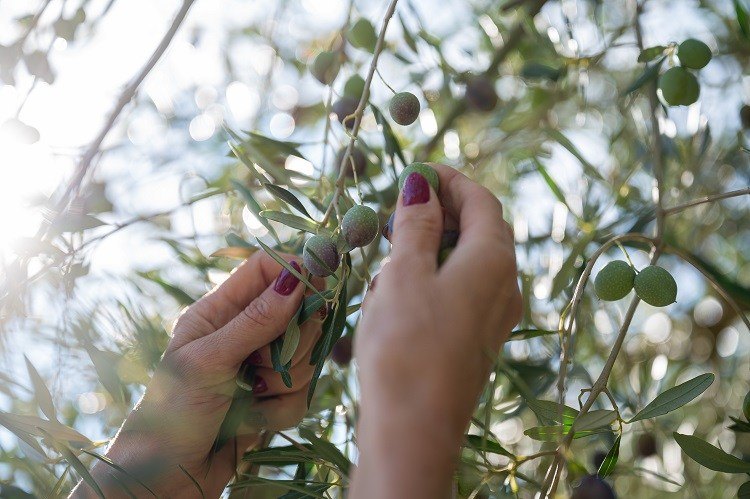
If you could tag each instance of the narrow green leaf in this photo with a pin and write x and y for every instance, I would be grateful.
(651, 53)
(291, 339)
(709, 456)
(551, 183)
(311, 304)
(289, 198)
(329, 338)
(610, 460)
(392, 146)
(743, 19)
(235, 241)
(486, 444)
(548, 411)
(119, 468)
(527, 334)
(650, 73)
(595, 419)
(554, 433)
(286, 265)
(36, 426)
(675, 397)
(326, 450)
(290, 220)
(41, 394)
(278, 366)
(564, 141)
(254, 207)
(179, 295)
(73, 461)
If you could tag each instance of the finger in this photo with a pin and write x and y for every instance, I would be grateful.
(277, 413)
(225, 301)
(260, 322)
(418, 226)
(268, 383)
(309, 334)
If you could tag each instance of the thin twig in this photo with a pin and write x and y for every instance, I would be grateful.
(125, 97)
(359, 112)
(706, 199)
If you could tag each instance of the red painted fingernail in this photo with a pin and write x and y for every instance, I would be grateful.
(259, 385)
(286, 282)
(255, 358)
(416, 190)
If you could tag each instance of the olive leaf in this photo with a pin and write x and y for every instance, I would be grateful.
(236, 241)
(675, 397)
(240, 252)
(326, 450)
(291, 339)
(311, 304)
(709, 456)
(486, 444)
(595, 419)
(286, 265)
(41, 394)
(286, 196)
(254, 207)
(280, 367)
(290, 220)
(743, 19)
(650, 73)
(651, 53)
(548, 411)
(610, 460)
(553, 433)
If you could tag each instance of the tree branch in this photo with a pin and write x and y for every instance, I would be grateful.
(706, 199)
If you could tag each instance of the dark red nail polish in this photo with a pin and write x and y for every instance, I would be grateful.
(286, 282)
(259, 385)
(255, 358)
(416, 190)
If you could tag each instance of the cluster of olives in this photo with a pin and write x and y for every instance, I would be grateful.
(678, 85)
(359, 227)
(449, 238)
(653, 284)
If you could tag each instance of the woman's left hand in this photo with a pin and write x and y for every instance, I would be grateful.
(171, 432)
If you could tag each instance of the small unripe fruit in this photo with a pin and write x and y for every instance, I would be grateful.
(646, 445)
(388, 227)
(362, 35)
(593, 487)
(745, 116)
(679, 87)
(693, 54)
(426, 171)
(614, 281)
(480, 93)
(342, 351)
(345, 106)
(746, 406)
(325, 67)
(359, 226)
(357, 158)
(656, 286)
(354, 87)
(320, 256)
(404, 108)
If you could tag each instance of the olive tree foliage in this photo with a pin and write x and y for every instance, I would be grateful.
(563, 110)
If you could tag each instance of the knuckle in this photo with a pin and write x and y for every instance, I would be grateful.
(259, 314)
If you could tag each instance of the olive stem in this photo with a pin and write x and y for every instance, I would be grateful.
(359, 112)
(706, 199)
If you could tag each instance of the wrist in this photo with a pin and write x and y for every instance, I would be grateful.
(394, 443)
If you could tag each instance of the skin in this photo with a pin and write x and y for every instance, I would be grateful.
(428, 338)
(425, 346)
(179, 416)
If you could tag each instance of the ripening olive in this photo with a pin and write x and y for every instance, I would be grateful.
(357, 158)
(593, 487)
(679, 87)
(344, 107)
(404, 108)
(359, 226)
(656, 286)
(480, 93)
(320, 256)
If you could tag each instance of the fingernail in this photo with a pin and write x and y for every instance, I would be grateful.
(416, 190)
(259, 385)
(255, 358)
(286, 282)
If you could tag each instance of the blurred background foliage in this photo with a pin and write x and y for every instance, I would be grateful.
(102, 242)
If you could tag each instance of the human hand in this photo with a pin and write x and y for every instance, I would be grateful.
(178, 419)
(429, 336)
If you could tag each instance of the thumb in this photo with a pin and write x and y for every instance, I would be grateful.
(418, 223)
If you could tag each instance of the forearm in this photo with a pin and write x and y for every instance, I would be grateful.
(402, 456)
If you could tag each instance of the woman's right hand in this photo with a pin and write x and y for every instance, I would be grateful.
(429, 336)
